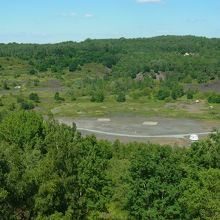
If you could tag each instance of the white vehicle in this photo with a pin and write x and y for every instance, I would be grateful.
(194, 137)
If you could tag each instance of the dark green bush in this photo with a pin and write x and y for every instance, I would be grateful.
(121, 97)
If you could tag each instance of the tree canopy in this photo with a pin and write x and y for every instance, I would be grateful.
(49, 171)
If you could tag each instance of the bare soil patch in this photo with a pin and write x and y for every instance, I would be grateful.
(192, 107)
(206, 87)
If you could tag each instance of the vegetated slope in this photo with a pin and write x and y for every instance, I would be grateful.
(146, 70)
(187, 56)
(48, 171)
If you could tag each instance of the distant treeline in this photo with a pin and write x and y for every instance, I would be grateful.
(48, 171)
(186, 57)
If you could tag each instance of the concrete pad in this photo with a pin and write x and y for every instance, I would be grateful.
(150, 123)
(104, 119)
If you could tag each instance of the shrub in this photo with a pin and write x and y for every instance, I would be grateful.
(34, 97)
(189, 94)
(121, 97)
(73, 67)
(36, 82)
(177, 92)
(58, 98)
(25, 105)
(12, 107)
(214, 98)
(1, 103)
(163, 94)
(32, 72)
(5, 85)
(97, 97)
(72, 95)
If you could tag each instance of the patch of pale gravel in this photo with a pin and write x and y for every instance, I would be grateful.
(150, 123)
(104, 119)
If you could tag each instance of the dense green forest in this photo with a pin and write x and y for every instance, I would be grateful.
(48, 171)
(189, 57)
(126, 56)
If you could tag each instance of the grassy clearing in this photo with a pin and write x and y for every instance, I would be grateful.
(16, 72)
(84, 107)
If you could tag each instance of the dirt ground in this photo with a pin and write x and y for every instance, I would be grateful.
(189, 107)
(207, 87)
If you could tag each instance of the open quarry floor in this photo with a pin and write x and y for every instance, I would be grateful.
(127, 128)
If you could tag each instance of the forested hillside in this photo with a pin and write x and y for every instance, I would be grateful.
(162, 68)
(48, 171)
(186, 56)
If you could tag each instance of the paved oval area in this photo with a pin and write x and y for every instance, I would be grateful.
(137, 126)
